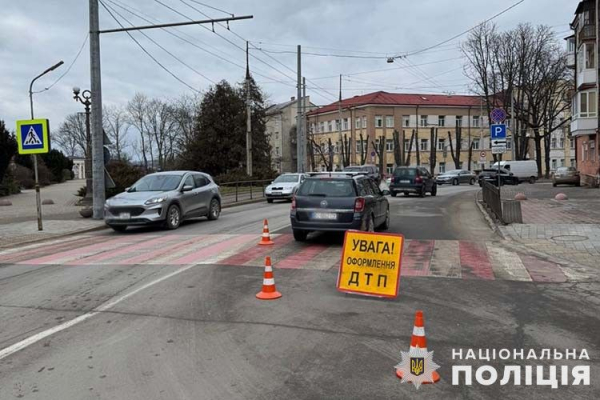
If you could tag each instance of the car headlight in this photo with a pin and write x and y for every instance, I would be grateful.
(155, 200)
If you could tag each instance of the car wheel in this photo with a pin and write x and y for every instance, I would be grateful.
(173, 217)
(386, 223)
(434, 190)
(300, 236)
(394, 194)
(578, 184)
(553, 184)
(472, 181)
(269, 200)
(406, 194)
(532, 179)
(455, 182)
(119, 228)
(215, 210)
(422, 192)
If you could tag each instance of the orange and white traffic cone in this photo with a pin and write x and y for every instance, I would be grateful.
(418, 340)
(266, 236)
(268, 292)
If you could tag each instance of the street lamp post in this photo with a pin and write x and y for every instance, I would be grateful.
(38, 201)
(86, 99)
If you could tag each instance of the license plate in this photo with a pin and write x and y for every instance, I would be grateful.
(327, 216)
(276, 193)
(404, 181)
(124, 216)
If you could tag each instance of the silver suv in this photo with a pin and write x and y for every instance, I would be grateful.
(164, 198)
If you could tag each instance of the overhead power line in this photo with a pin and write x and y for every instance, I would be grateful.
(146, 51)
(68, 69)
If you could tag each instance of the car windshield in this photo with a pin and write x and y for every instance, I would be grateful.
(156, 183)
(327, 188)
(453, 172)
(355, 169)
(405, 172)
(286, 179)
(564, 169)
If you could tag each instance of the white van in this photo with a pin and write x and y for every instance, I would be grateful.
(525, 170)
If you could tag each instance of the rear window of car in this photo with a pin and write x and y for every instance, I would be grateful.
(405, 172)
(355, 169)
(327, 188)
(565, 169)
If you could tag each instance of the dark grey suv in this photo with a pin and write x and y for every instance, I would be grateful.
(412, 180)
(338, 201)
(164, 198)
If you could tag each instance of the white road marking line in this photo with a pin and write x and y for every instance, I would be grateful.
(107, 305)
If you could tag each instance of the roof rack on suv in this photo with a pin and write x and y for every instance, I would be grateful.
(336, 173)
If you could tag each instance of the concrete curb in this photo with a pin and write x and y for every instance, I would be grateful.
(492, 223)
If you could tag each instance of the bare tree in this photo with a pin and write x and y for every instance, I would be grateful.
(410, 145)
(185, 115)
(71, 136)
(137, 109)
(364, 148)
(380, 151)
(433, 134)
(159, 125)
(116, 126)
(398, 146)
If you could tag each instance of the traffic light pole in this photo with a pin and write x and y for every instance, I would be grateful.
(96, 88)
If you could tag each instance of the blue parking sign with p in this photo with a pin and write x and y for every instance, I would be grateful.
(33, 136)
(498, 131)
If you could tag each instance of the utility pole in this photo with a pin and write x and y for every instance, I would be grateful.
(97, 133)
(512, 125)
(299, 131)
(248, 118)
(304, 118)
(343, 148)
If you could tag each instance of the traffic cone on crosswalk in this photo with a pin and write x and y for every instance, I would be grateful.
(266, 236)
(418, 340)
(268, 292)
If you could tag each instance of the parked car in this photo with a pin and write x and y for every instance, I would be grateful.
(491, 176)
(566, 176)
(369, 169)
(338, 201)
(525, 170)
(164, 198)
(412, 180)
(283, 187)
(456, 177)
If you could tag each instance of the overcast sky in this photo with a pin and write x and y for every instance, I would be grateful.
(35, 34)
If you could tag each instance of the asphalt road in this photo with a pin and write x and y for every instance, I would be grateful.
(146, 331)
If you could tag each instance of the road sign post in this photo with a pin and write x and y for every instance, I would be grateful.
(498, 141)
(371, 264)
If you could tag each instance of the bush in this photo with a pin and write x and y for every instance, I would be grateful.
(9, 184)
(44, 174)
(67, 175)
(124, 174)
(81, 192)
(56, 162)
(240, 176)
(23, 177)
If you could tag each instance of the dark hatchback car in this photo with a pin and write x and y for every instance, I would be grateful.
(338, 201)
(412, 180)
(491, 176)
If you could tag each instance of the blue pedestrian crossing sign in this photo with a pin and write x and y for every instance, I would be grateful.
(33, 136)
(498, 132)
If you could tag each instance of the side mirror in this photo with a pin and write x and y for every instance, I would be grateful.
(187, 188)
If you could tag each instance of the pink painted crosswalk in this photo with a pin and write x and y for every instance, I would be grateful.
(422, 258)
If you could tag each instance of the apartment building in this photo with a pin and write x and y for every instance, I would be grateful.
(280, 127)
(377, 115)
(583, 58)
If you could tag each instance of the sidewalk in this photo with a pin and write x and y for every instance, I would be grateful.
(568, 230)
(18, 222)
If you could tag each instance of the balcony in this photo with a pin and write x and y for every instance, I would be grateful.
(586, 76)
(587, 32)
(583, 126)
(571, 60)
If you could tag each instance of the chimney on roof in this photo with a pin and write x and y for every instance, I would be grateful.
(292, 98)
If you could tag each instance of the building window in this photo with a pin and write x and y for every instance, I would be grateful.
(321, 127)
(357, 123)
(587, 104)
(476, 121)
(277, 151)
(424, 145)
(562, 162)
(475, 144)
(329, 126)
(312, 127)
(364, 122)
(389, 121)
(378, 121)
(423, 120)
(441, 120)
(459, 120)
(573, 162)
(389, 145)
(553, 167)
(337, 125)
(406, 145)
(572, 143)
(590, 56)
(509, 143)
(561, 142)
(359, 145)
(406, 120)
(389, 168)
(346, 122)
(553, 143)
(441, 144)
(442, 168)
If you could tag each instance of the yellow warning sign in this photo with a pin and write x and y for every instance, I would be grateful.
(371, 264)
